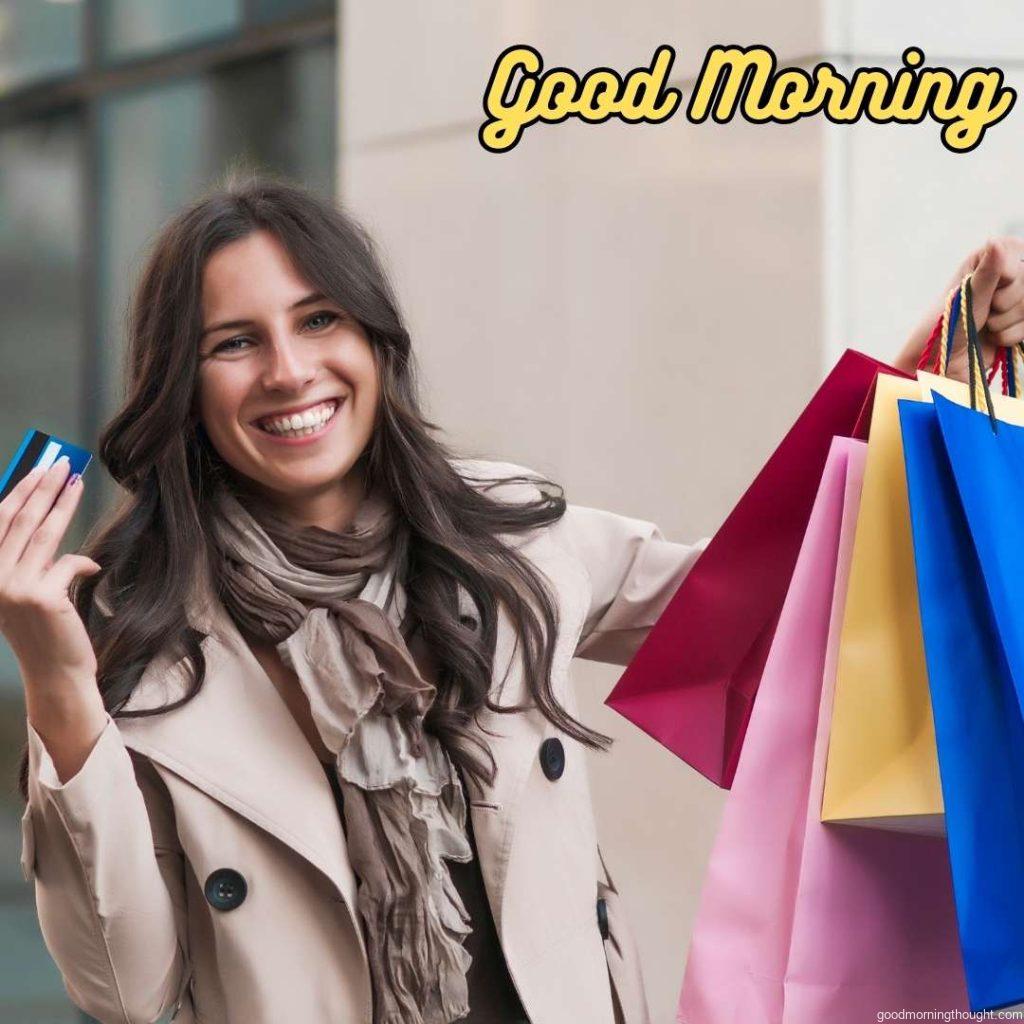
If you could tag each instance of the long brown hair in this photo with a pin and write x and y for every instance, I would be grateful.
(155, 448)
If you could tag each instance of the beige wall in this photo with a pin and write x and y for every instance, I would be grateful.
(640, 311)
(902, 211)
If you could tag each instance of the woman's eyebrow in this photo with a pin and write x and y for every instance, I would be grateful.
(233, 324)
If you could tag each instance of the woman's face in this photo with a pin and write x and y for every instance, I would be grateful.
(272, 347)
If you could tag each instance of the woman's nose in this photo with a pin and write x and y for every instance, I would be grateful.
(288, 365)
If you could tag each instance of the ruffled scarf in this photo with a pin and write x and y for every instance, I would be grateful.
(336, 627)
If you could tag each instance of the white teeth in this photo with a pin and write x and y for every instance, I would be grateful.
(301, 424)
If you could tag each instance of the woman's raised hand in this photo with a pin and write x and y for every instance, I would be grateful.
(37, 618)
(997, 286)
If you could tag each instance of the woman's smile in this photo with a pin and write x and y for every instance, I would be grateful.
(300, 428)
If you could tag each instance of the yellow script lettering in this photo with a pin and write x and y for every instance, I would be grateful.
(556, 94)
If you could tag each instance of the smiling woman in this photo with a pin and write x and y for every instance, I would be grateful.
(350, 809)
(288, 386)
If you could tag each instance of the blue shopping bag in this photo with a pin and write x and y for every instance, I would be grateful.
(979, 728)
(989, 470)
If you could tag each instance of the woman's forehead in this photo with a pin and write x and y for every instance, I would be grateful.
(255, 270)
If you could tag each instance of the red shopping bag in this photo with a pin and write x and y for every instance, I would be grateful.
(692, 684)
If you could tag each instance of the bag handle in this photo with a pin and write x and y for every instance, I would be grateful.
(1011, 362)
(977, 377)
(939, 348)
(943, 335)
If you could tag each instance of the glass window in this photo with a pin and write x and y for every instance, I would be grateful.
(161, 145)
(40, 287)
(40, 313)
(272, 10)
(278, 113)
(38, 40)
(130, 28)
(155, 147)
(32, 988)
(151, 161)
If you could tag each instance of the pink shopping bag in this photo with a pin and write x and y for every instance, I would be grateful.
(800, 922)
(692, 684)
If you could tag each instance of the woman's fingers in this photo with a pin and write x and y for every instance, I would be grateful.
(18, 524)
(997, 278)
(1005, 323)
(1009, 296)
(995, 270)
(58, 578)
(43, 543)
(1006, 338)
(18, 496)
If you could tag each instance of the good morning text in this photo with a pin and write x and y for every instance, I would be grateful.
(744, 80)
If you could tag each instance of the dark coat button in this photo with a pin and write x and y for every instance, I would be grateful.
(552, 758)
(602, 917)
(225, 889)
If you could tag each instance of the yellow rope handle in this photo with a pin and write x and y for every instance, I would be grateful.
(975, 354)
(944, 334)
(1017, 354)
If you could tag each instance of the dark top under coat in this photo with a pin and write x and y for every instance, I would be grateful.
(492, 994)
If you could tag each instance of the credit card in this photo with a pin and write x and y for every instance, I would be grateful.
(38, 448)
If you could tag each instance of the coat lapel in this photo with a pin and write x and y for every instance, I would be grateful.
(237, 741)
(515, 738)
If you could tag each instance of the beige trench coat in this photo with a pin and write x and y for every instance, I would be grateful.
(122, 853)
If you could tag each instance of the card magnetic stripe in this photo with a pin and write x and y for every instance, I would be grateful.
(38, 448)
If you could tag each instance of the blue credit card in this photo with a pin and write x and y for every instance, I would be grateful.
(38, 448)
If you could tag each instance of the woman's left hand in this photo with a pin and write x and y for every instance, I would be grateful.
(997, 287)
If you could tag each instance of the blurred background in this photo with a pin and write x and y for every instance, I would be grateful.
(637, 311)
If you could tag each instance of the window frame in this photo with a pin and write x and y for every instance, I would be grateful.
(81, 93)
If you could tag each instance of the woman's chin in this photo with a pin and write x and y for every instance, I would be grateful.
(307, 482)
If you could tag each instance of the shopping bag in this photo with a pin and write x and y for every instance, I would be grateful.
(956, 471)
(882, 768)
(801, 922)
(692, 683)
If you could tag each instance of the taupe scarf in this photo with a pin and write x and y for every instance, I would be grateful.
(404, 805)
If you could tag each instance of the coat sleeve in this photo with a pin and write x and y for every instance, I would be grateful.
(634, 573)
(102, 852)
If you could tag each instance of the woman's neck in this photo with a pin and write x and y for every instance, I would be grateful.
(332, 509)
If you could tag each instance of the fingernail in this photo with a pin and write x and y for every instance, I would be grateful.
(60, 459)
(73, 479)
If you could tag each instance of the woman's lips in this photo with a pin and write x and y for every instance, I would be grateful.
(297, 410)
(306, 438)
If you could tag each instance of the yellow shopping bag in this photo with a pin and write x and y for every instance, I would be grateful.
(882, 769)
(1009, 410)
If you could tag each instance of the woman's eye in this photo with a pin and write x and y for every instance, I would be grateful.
(314, 322)
(223, 346)
(318, 321)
